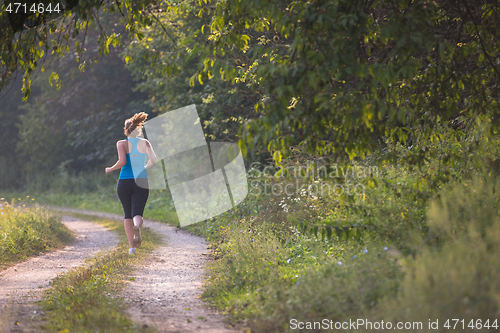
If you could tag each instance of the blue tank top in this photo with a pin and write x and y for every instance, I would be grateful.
(134, 168)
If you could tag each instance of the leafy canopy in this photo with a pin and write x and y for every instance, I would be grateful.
(341, 77)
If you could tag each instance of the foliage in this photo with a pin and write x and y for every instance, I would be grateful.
(267, 270)
(26, 39)
(166, 60)
(74, 127)
(346, 202)
(70, 130)
(424, 253)
(28, 231)
(340, 76)
(460, 275)
(10, 162)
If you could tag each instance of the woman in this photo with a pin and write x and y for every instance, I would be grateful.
(133, 186)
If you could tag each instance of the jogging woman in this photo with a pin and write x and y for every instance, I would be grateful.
(133, 185)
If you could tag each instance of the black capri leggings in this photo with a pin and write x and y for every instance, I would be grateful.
(132, 196)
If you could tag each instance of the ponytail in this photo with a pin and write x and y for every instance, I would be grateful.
(137, 121)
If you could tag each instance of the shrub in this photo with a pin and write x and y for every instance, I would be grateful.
(458, 276)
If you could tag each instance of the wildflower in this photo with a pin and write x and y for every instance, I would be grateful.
(365, 251)
(385, 248)
(339, 263)
(252, 239)
(298, 282)
(1, 213)
(354, 257)
(288, 261)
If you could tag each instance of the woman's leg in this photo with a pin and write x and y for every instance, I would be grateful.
(124, 190)
(136, 229)
(129, 224)
(139, 199)
(138, 220)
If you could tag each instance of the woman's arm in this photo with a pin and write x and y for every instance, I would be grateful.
(151, 154)
(122, 158)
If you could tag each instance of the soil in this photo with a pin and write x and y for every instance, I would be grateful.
(164, 294)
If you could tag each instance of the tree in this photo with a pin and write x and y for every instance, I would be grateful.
(26, 36)
(165, 61)
(77, 125)
(341, 77)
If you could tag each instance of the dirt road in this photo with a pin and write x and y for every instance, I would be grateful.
(166, 290)
(21, 285)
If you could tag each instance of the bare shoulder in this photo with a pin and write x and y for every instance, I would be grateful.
(121, 142)
(148, 144)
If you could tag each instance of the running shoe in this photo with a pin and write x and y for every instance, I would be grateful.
(137, 236)
(131, 251)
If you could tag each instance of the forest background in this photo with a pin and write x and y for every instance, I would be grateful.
(409, 87)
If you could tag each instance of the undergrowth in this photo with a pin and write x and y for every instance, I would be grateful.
(28, 231)
(400, 251)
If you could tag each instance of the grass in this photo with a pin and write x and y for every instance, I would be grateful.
(86, 299)
(408, 248)
(104, 199)
(409, 254)
(28, 231)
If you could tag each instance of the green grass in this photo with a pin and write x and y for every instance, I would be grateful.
(420, 255)
(28, 231)
(158, 207)
(86, 299)
(407, 249)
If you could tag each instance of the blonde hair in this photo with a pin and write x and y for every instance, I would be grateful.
(135, 122)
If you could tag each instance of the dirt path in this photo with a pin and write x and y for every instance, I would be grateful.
(166, 290)
(21, 285)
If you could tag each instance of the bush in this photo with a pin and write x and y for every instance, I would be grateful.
(457, 276)
(266, 279)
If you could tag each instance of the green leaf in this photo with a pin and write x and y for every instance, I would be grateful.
(328, 231)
